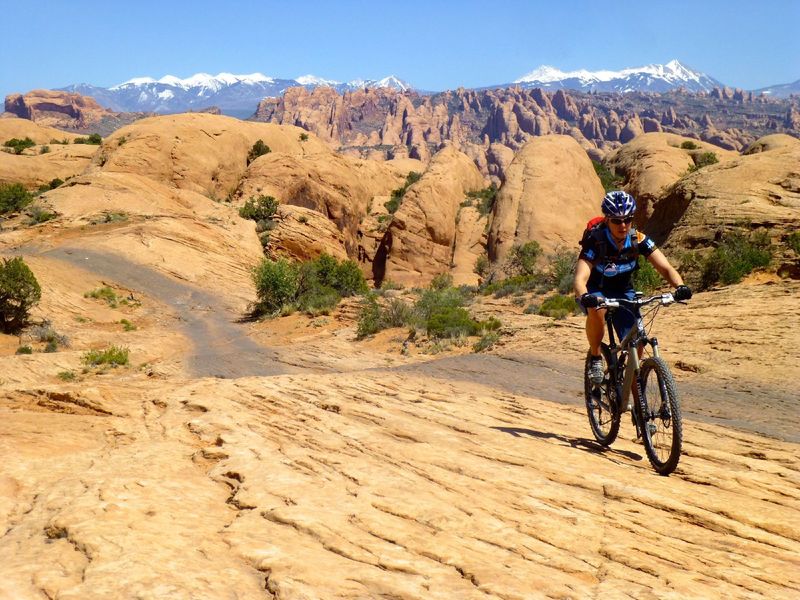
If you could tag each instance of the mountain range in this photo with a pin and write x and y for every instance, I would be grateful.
(239, 94)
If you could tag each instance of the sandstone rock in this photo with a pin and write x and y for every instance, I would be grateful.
(303, 234)
(32, 168)
(337, 187)
(756, 190)
(651, 163)
(199, 152)
(56, 109)
(551, 190)
(633, 127)
(468, 245)
(418, 243)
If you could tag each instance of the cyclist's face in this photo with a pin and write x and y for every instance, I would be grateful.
(620, 226)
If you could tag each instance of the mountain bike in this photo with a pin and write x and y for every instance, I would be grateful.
(634, 366)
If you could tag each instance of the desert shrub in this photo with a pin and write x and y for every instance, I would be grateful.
(484, 199)
(18, 146)
(259, 208)
(558, 306)
(127, 325)
(24, 350)
(487, 340)
(303, 137)
(112, 356)
(703, 160)
(370, 319)
(13, 197)
(39, 214)
(562, 270)
(94, 139)
(522, 258)
(481, 265)
(736, 256)
(104, 293)
(66, 375)
(314, 286)
(689, 145)
(451, 321)
(44, 149)
(54, 183)
(397, 194)
(511, 285)
(793, 241)
(258, 149)
(610, 180)
(45, 333)
(398, 314)
(19, 292)
(441, 281)
(646, 279)
(276, 285)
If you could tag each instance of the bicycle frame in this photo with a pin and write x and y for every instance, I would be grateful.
(635, 339)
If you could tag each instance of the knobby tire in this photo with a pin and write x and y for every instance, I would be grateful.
(604, 417)
(661, 416)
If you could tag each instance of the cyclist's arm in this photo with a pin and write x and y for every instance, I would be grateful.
(582, 271)
(664, 268)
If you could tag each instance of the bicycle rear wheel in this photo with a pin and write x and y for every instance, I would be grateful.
(661, 416)
(601, 402)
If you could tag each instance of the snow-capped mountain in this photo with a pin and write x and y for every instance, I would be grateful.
(650, 78)
(783, 90)
(234, 94)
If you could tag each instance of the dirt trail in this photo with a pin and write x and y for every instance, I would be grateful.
(221, 346)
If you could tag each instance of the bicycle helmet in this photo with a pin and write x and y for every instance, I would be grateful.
(618, 204)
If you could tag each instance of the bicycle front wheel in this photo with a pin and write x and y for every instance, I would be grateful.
(661, 416)
(601, 402)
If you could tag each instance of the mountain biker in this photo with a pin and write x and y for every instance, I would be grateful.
(608, 258)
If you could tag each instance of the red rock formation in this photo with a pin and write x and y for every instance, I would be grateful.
(56, 109)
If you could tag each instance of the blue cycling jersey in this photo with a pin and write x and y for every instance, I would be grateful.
(613, 267)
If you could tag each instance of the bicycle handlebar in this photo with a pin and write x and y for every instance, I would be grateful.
(664, 299)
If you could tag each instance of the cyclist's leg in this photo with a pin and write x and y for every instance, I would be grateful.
(595, 325)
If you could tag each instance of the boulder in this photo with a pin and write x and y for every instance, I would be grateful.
(551, 190)
(418, 243)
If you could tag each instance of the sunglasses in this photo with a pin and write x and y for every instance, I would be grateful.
(626, 220)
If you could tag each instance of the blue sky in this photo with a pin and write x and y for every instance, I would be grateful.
(434, 45)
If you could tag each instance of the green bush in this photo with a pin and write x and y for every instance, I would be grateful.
(276, 285)
(736, 256)
(303, 137)
(38, 215)
(127, 325)
(66, 375)
(689, 145)
(260, 208)
(608, 178)
(487, 340)
(451, 321)
(511, 285)
(397, 195)
(24, 350)
(481, 265)
(13, 197)
(793, 241)
(19, 146)
(369, 317)
(703, 160)
(558, 306)
(485, 199)
(522, 258)
(112, 356)
(45, 333)
(93, 139)
(314, 286)
(562, 270)
(646, 279)
(104, 293)
(258, 149)
(44, 149)
(19, 292)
